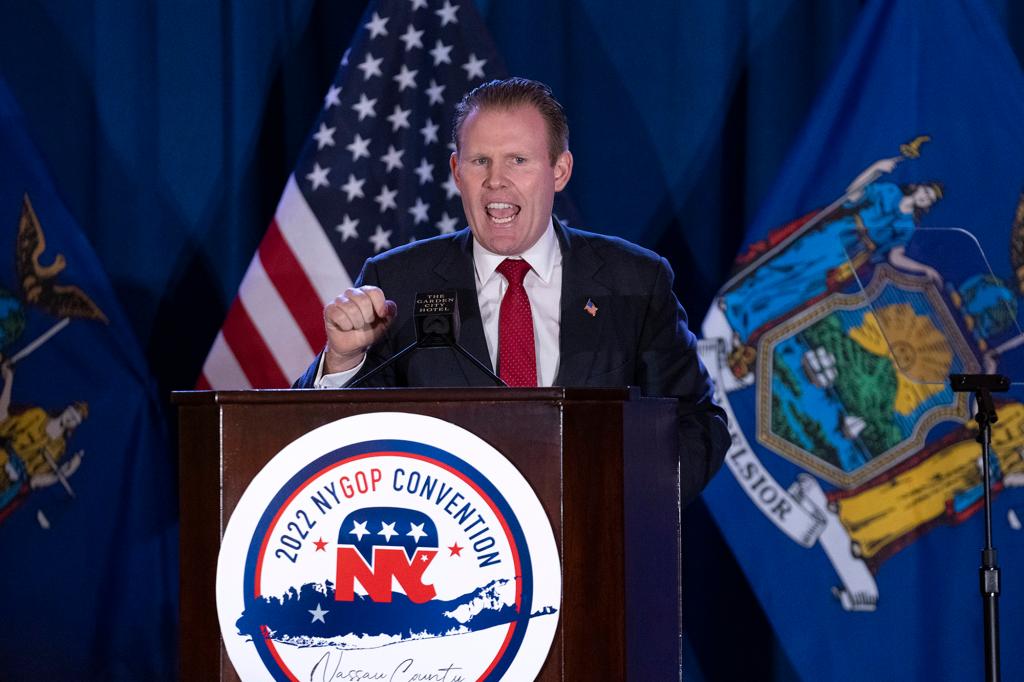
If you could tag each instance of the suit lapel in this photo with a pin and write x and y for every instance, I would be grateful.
(580, 332)
(456, 269)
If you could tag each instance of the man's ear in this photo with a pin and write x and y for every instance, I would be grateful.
(453, 162)
(563, 170)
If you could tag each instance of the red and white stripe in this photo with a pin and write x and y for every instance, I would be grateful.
(275, 327)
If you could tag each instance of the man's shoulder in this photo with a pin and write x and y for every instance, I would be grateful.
(611, 249)
(421, 250)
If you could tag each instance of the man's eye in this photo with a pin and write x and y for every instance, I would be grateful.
(519, 160)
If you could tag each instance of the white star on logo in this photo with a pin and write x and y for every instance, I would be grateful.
(399, 119)
(429, 132)
(447, 224)
(318, 176)
(370, 66)
(405, 78)
(434, 92)
(376, 26)
(331, 98)
(359, 530)
(393, 159)
(425, 172)
(324, 137)
(365, 107)
(447, 13)
(474, 67)
(353, 188)
(347, 228)
(381, 240)
(359, 147)
(450, 189)
(441, 53)
(318, 614)
(416, 531)
(386, 198)
(419, 211)
(411, 37)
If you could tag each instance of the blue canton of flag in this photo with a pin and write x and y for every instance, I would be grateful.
(374, 174)
(376, 169)
(852, 491)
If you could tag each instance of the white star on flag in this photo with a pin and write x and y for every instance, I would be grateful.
(376, 26)
(359, 147)
(447, 224)
(347, 228)
(441, 54)
(412, 38)
(353, 188)
(318, 176)
(447, 13)
(434, 92)
(381, 239)
(399, 118)
(429, 132)
(405, 78)
(324, 136)
(331, 98)
(474, 67)
(418, 4)
(450, 190)
(419, 211)
(386, 198)
(393, 159)
(370, 67)
(365, 107)
(425, 171)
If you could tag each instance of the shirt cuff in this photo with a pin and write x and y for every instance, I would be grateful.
(338, 379)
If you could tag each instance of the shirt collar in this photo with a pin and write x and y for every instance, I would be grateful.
(542, 257)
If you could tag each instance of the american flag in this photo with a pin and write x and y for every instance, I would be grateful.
(374, 174)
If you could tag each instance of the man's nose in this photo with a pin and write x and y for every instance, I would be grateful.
(495, 178)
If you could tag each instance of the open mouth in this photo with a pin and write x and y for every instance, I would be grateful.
(501, 213)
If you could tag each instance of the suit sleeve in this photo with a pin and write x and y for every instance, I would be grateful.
(669, 366)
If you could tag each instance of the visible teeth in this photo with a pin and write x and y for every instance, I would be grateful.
(501, 221)
(498, 205)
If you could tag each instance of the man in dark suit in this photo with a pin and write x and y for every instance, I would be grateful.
(540, 302)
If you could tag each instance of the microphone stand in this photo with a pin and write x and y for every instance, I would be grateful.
(418, 345)
(983, 385)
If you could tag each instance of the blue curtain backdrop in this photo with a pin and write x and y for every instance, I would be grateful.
(169, 129)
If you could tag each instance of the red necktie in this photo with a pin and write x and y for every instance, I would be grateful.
(517, 357)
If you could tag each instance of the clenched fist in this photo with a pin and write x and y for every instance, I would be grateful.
(355, 320)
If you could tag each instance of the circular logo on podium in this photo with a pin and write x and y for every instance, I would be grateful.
(388, 546)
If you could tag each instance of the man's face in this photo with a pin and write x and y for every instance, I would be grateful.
(504, 173)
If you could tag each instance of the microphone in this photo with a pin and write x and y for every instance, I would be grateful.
(436, 316)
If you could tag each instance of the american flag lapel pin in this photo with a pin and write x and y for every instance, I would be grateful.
(591, 308)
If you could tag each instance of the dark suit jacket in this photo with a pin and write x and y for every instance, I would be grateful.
(638, 337)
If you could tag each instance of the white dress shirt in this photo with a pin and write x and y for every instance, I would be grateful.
(543, 284)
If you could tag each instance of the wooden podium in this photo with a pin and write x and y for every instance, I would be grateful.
(603, 463)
